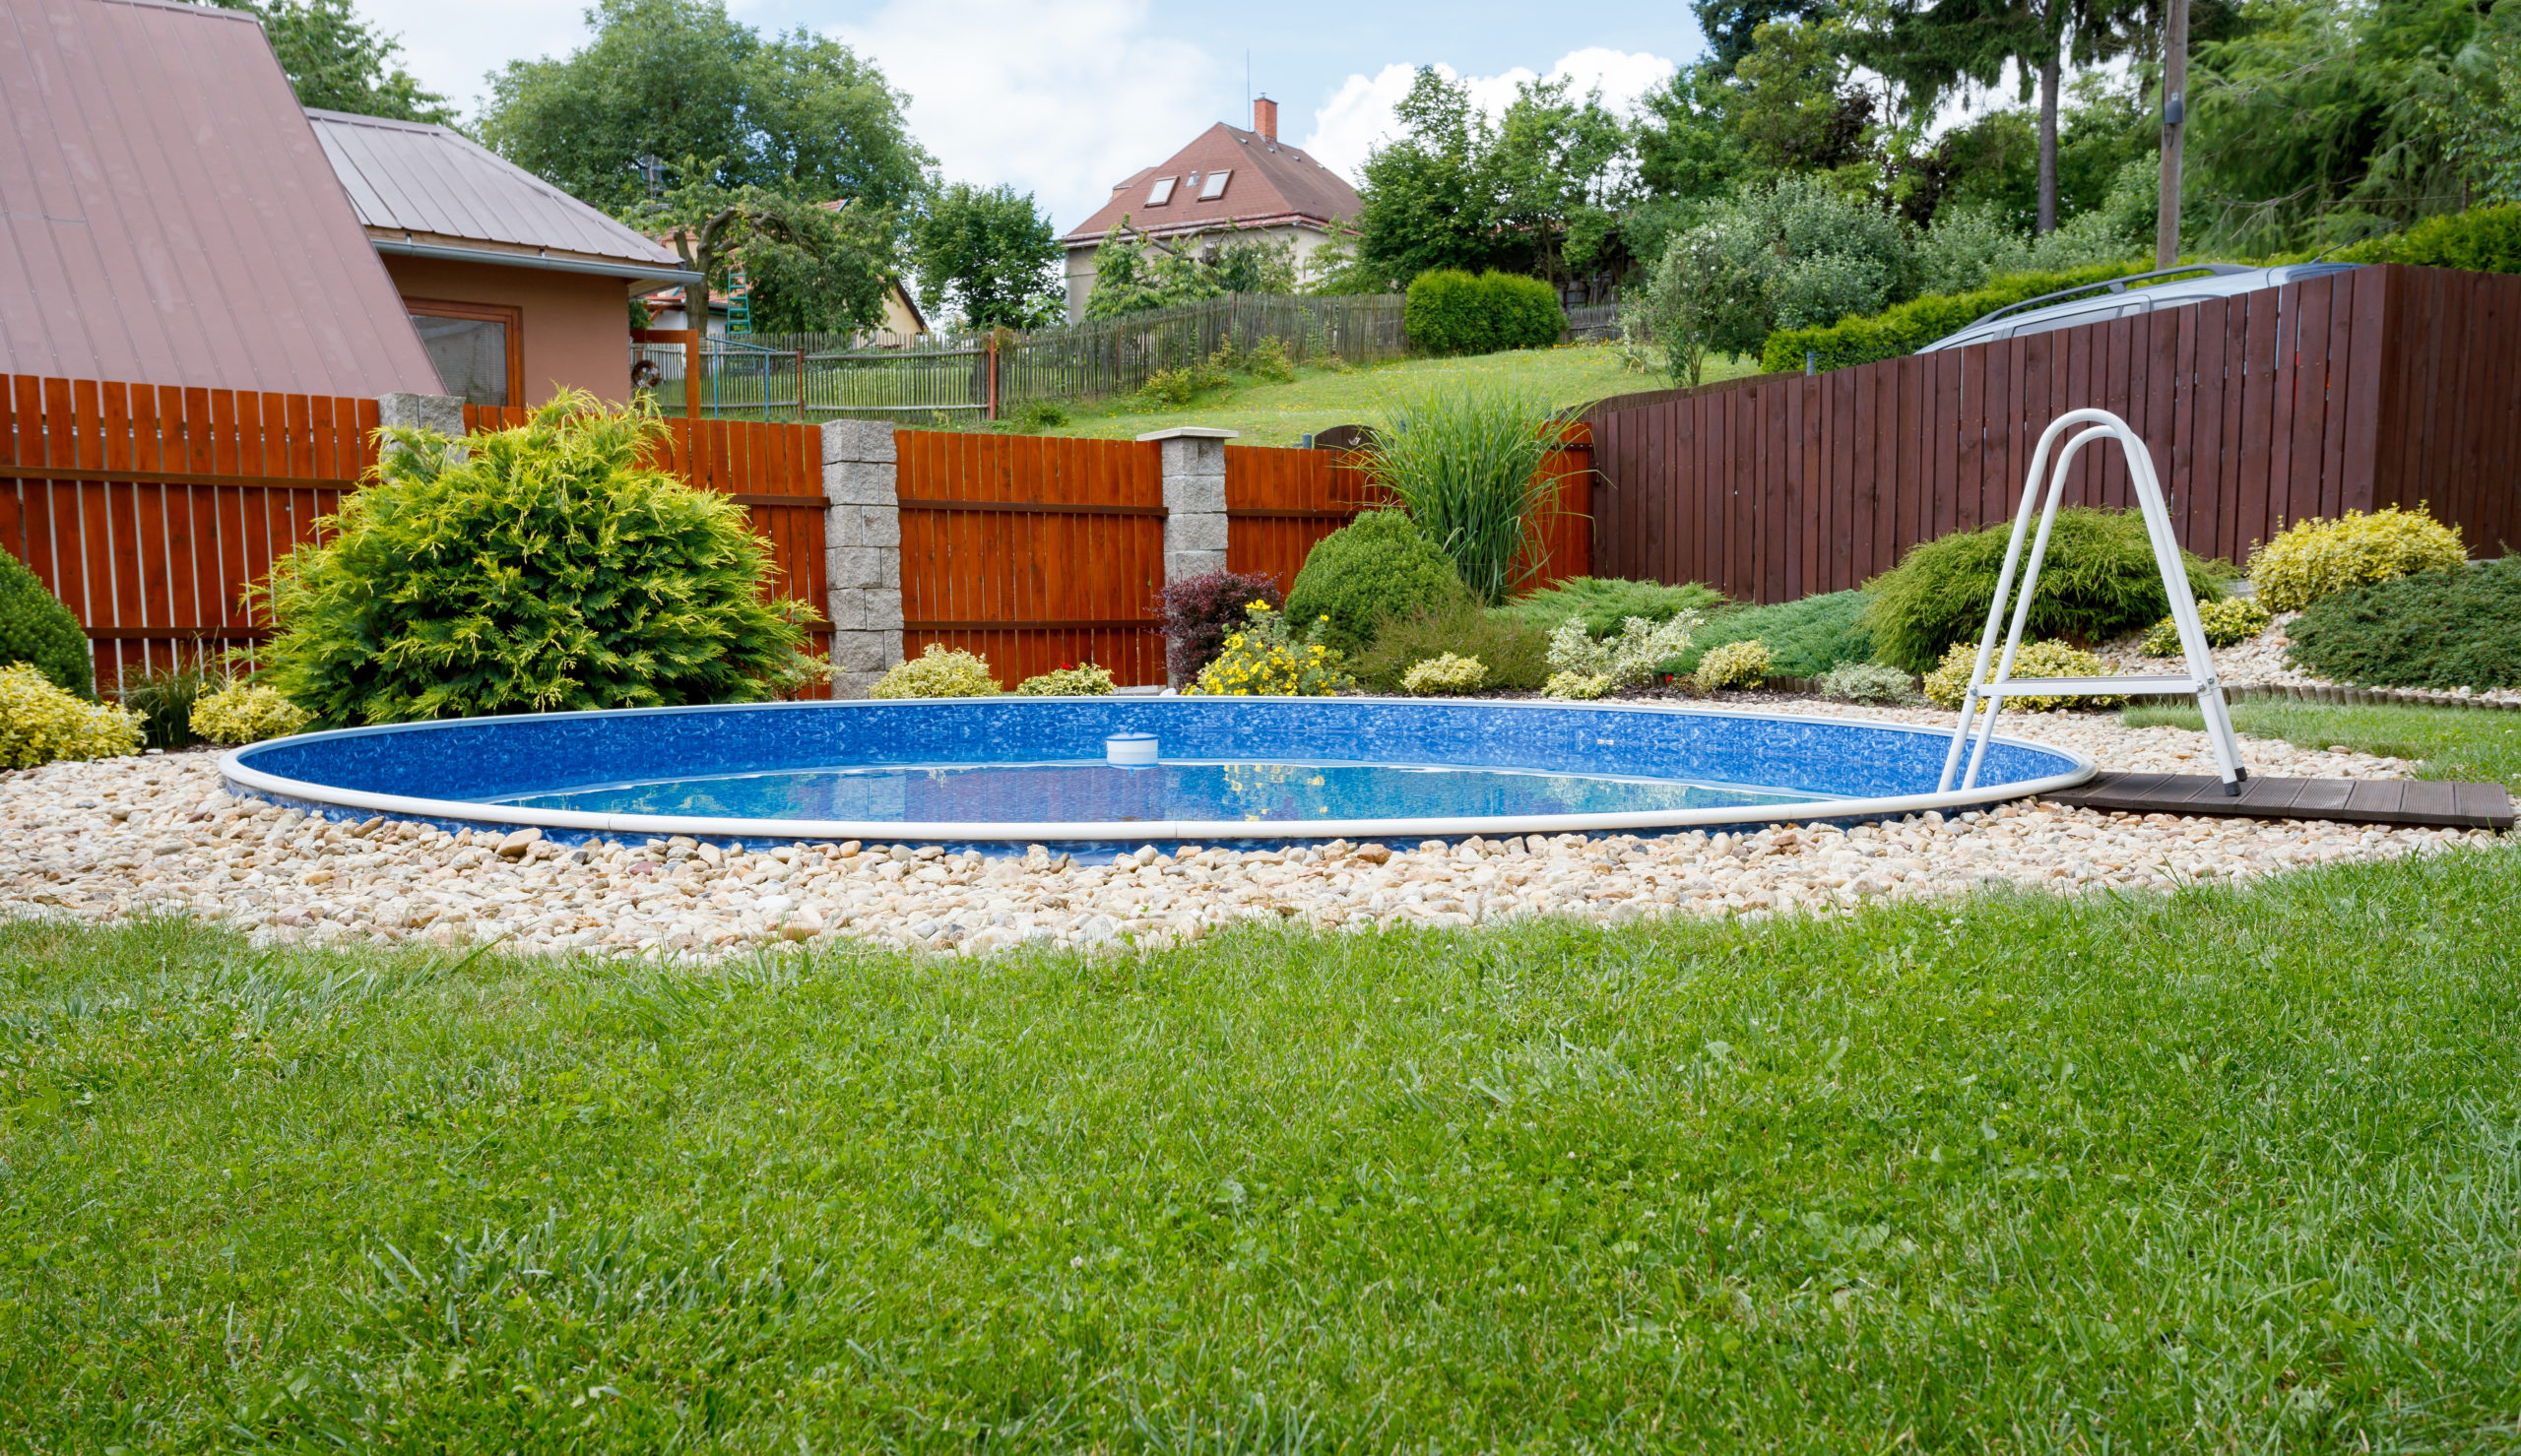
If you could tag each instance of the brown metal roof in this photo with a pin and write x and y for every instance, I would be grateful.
(428, 184)
(1268, 182)
(166, 216)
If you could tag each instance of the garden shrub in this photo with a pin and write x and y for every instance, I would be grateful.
(1743, 663)
(164, 698)
(1379, 566)
(1269, 359)
(2233, 619)
(549, 571)
(2050, 659)
(2480, 239)
(1200, 610)
(1466, 463)
(40, 722)
(1452, 313)
(1033, 417)
(2313, 558)
(1906, 328)
(1868, 682)
(245, 712)
(1514, 650)
(1584, 666)
(939, 671)
(2432, 629)
(37, 629)
(1604, 603)
(1805, 638)
(1268, 660)
(1448, 674)
(2099, 581)
(1070, 680)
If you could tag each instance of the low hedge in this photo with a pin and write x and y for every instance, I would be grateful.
(1450, 313)
(2481, 240)
(2439, 629)
(1910, 326)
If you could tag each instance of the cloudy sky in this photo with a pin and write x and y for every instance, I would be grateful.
(1064, 99)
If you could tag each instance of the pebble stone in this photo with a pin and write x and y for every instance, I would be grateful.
(158, 833)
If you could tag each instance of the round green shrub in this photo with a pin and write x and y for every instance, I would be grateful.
(2099, 581)
(1379, 566)
(1452, 313)
(2435, 629)
(37, 629)
(549, 571)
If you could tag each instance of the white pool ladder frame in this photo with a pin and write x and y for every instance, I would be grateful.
(2200, 679)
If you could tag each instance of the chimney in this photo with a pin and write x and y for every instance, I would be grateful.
(1265, 118)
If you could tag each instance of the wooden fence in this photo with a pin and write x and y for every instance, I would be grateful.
(148, 510)
(2386, 385)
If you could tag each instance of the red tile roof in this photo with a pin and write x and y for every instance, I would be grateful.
(1266, 183)
(167, 217)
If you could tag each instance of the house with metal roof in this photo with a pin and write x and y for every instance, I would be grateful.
(1228, 183)
(516, 289)
(167, 217)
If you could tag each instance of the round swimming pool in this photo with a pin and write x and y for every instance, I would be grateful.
(1077, 770)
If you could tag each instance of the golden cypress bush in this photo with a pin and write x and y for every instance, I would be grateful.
(245, 712)
(1743, 663)
(2052, 658)
(1445, 674)
(1070, 680)
(939, 671)
(40, 722)
(2317, 558)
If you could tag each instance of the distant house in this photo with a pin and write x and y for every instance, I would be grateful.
(903, 321)
(1226, 179)
(516, 289)
(166, 215)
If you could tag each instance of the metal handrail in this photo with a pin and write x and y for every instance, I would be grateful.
(2113, 285)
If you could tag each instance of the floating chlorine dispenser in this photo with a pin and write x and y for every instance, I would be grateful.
(1130, 751)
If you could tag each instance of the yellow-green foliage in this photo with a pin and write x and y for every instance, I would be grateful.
(2316, 558)
(2231, 621)
(1088, 681)
(939, 671)
(1587, 668)
(2050, 659)
(1733, 665)
(1265, 660)
(1450, 672)
(39, 722)
(245, 712)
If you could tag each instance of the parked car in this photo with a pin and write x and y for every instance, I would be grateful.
(2125, 298)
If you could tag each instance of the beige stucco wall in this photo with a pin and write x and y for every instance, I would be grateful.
(576, 326)
(1080, 260)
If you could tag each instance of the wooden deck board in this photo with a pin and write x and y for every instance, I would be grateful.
(2407, 801)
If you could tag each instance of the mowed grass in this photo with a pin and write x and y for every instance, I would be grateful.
(2216, 1171)
(1268, 413)
(2469, 744)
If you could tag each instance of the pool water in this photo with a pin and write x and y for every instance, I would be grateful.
(1089, 792)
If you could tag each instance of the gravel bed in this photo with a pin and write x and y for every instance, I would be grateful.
(2260, 663)
(158, 833)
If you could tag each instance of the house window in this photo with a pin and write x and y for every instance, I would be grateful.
(1161, 193)
(479, 349)
(1214, 187)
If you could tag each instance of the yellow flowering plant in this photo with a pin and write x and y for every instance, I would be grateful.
(1267, 660)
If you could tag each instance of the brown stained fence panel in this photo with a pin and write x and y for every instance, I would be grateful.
(1032, 551)
(2383, 385)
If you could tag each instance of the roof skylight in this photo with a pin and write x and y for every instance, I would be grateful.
(1161, 193)
(1214, 187)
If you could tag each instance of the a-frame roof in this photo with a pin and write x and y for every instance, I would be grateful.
(1267, 184)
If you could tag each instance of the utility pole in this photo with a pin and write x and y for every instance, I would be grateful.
(2174, 115)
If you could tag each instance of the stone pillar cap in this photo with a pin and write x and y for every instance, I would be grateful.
(1191, 433)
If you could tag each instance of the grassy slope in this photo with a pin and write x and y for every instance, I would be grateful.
(2458, 744)
(1283, 414)
(2215, 1171)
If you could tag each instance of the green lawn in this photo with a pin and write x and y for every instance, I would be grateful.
(1285, 413)
(2470, 744)
(2216, 1171)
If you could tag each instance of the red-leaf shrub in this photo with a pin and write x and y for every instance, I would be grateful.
(1200, 610)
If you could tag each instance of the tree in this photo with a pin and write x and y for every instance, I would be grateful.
(1135, 273)
(1732, 27)
(1686, 144)
(337, 63)
(1795, 110)
(1554, 169)
(990, 254)
(1428, 202)
(812, 268)
(794, 114)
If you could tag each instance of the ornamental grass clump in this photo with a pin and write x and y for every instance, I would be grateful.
(39, 722)
(1466, 463)
(939, 671)
(1267, 659)
(244, 713)
(2232, 620)
(163, 696)
(1584, 666)
(1070, 680)
(2051, 659)
(1446, 675)
(2317, 558)
(1735, 664)
(548, 571)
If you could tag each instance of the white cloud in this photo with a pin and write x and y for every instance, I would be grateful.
(1060, 101)
(1359, 115)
